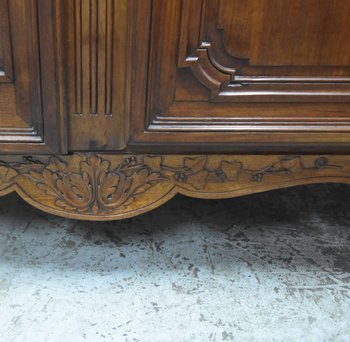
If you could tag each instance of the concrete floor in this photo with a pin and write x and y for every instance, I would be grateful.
(267, 267)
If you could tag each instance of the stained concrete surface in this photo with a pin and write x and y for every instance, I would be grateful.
(267, 267)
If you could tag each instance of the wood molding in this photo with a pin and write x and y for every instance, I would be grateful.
(225, 85)
(225, 75)
(108, 187)
(208, 71)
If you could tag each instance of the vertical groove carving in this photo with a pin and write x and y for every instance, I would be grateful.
(94, 45)
(78, 56)
(109, 55)
(86, 54)
(101, 34)
(93, 49)
(96, 52)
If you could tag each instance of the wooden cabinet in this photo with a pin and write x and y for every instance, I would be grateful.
(108, 108)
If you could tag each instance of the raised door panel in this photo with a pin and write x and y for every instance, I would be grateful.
(286, 33)
(30, 119)
(241, 73)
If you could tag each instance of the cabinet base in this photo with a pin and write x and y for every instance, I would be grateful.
(109, 186)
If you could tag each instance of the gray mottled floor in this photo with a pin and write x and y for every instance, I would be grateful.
(268, 267)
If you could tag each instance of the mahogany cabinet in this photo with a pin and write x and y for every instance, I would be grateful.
(108, 108)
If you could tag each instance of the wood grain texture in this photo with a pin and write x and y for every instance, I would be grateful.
(108, 187)
(95, 44)
(265, 36)
(6, 70)
(239, 73)
(262, 31)
(30, 115)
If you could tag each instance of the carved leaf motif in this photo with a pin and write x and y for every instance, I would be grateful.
(290, 164)
(35, 175)
(93, 186)
(95, 166)
(127, 187)
(98, 185)
(195, 164)
(194, 172)
(109, 184)
(147, 181)
(153, 162)
(79, 185)
(7, 176)
(49, 191)
(75, 191)
(46, 182)
(64, 205)
(231, 170)
(56, 164)
(198, 180)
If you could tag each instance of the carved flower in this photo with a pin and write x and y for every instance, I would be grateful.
(321, 163)
(180, 176)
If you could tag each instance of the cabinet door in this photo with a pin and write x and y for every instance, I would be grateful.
(248, 74)
(29, 114)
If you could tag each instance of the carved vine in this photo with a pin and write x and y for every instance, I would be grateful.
(196, 172)
(99, 184)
